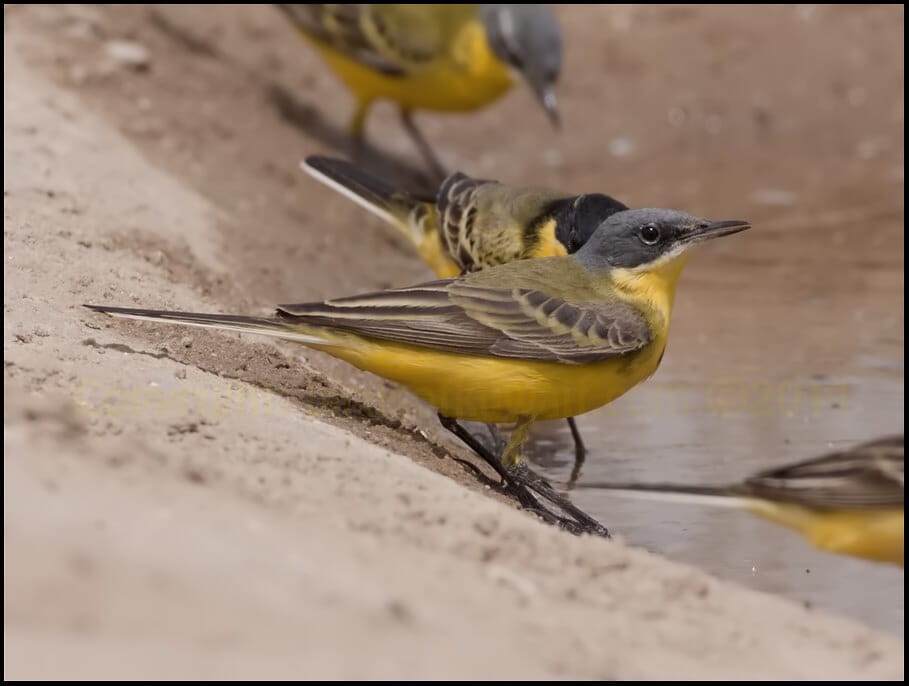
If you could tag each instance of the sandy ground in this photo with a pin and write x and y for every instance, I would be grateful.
(209, 506)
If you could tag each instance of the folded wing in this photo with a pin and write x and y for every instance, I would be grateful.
(461, 317)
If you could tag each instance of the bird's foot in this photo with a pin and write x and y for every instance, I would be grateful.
(522, 483)
(580, 453)
(526, 485)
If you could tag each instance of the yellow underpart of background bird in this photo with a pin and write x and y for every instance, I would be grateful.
(468, 77)
(422, 231)
(436, 256)
(867, 533)
(423, 57)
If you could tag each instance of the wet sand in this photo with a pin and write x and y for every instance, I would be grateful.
(184, 476)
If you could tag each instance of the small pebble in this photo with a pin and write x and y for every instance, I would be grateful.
(621, 147)
(486, 524)
(128, 54)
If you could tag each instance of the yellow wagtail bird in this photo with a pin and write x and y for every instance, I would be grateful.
(472, 224)
(848, 502)
(447, 58)
(524, 341)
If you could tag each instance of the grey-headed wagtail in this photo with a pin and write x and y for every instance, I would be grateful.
(524, 341)
(848, 502)
(472, 224)
(448, 58)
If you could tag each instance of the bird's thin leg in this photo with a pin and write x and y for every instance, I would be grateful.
(519, 481)
(357, 129)
(498, 443)
(524, 497)
(426, 151)
(580, 452)
(521, 474)
(511, 455)
(583, 522)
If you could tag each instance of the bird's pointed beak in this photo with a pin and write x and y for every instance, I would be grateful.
(706, 230)
(551, 105)
(547, 97)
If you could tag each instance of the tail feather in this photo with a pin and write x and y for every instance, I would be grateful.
(365, 189)
(226, 322)
(718, 496)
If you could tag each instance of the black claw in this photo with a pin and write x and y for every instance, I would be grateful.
(580, 521)
(522, 483)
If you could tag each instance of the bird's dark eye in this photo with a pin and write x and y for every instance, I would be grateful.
(650, 235)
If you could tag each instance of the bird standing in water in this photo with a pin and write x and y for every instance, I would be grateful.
(472, 224)
(445, 58)
(517, 343)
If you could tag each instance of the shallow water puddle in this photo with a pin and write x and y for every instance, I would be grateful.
(719, 432)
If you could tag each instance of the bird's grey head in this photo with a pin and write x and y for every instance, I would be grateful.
(527, 37)
(637, 238)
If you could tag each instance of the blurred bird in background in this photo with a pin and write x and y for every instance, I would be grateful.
(445, 58)
(472, 224)
(848, 502)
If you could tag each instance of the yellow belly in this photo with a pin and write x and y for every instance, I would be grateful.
(445, 85)
(870, 534)
(500, 390)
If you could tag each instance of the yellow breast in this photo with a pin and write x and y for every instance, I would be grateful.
(652, 288)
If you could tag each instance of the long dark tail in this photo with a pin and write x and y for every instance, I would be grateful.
(375, 194)
(265, 326)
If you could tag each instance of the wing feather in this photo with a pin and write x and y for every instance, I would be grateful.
(458, 316)
(393, 39)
